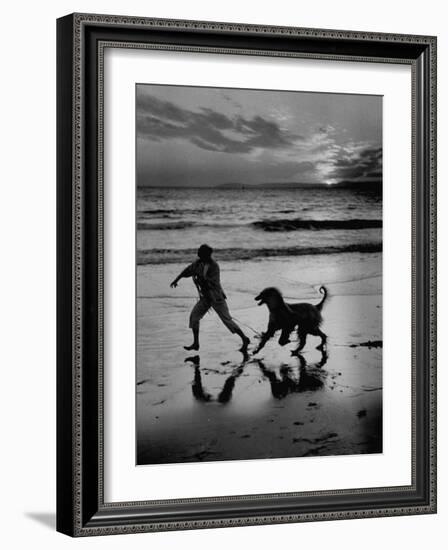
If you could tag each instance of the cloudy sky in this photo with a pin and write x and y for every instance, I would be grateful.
(189, 136)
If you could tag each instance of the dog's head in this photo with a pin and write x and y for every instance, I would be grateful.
(271, 296)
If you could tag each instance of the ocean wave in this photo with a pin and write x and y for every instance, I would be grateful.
(148, 226)
(299, 223)
(173, 211)
(275, 225)
(170, 256)
(157, 211)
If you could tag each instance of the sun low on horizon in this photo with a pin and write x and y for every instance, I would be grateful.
(205, 137)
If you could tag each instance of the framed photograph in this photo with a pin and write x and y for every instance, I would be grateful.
(246, 274)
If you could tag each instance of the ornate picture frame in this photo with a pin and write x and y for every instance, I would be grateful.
(81, 506)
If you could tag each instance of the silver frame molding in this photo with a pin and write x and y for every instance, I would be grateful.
(82, 39)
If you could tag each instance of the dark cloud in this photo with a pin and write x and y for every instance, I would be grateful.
(363, 165)
(158, 120)
(218, 120)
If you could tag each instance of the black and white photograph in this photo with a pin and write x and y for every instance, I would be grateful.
(259, 274)
(246, 273)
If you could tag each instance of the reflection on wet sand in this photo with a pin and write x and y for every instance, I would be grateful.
(310, 377)
(315, 404)
(225, 394)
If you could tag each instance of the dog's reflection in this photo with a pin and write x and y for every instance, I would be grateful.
(311, 377)
(225, 395)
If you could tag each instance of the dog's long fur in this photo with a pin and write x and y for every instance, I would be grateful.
(286, 317)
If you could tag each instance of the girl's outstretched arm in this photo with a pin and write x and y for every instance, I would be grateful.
(187, 272)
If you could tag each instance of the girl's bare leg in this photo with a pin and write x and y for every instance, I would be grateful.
(195, 344)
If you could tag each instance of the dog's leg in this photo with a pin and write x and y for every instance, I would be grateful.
(323, 360)
(264, 338)
(284, 337)
(302, 338)
(323, 338)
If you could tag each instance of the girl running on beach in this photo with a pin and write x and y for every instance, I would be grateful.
(205, 274)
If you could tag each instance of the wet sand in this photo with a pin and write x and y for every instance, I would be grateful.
(218, 404)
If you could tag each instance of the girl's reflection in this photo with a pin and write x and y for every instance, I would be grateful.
(225, 394)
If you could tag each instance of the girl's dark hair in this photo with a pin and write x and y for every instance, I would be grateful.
(205, 251)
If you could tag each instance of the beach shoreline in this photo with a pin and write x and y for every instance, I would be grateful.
(218, 405)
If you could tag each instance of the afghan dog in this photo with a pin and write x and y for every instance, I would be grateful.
(286, 317)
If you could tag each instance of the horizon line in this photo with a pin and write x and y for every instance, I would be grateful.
(233, 186)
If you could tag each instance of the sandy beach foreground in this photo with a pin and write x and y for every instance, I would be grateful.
(218, 404)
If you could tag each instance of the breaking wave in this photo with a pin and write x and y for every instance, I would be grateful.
(274, 225)
(164, 256)
(298, 223)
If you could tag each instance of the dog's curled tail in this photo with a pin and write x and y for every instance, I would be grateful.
(323, 291)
